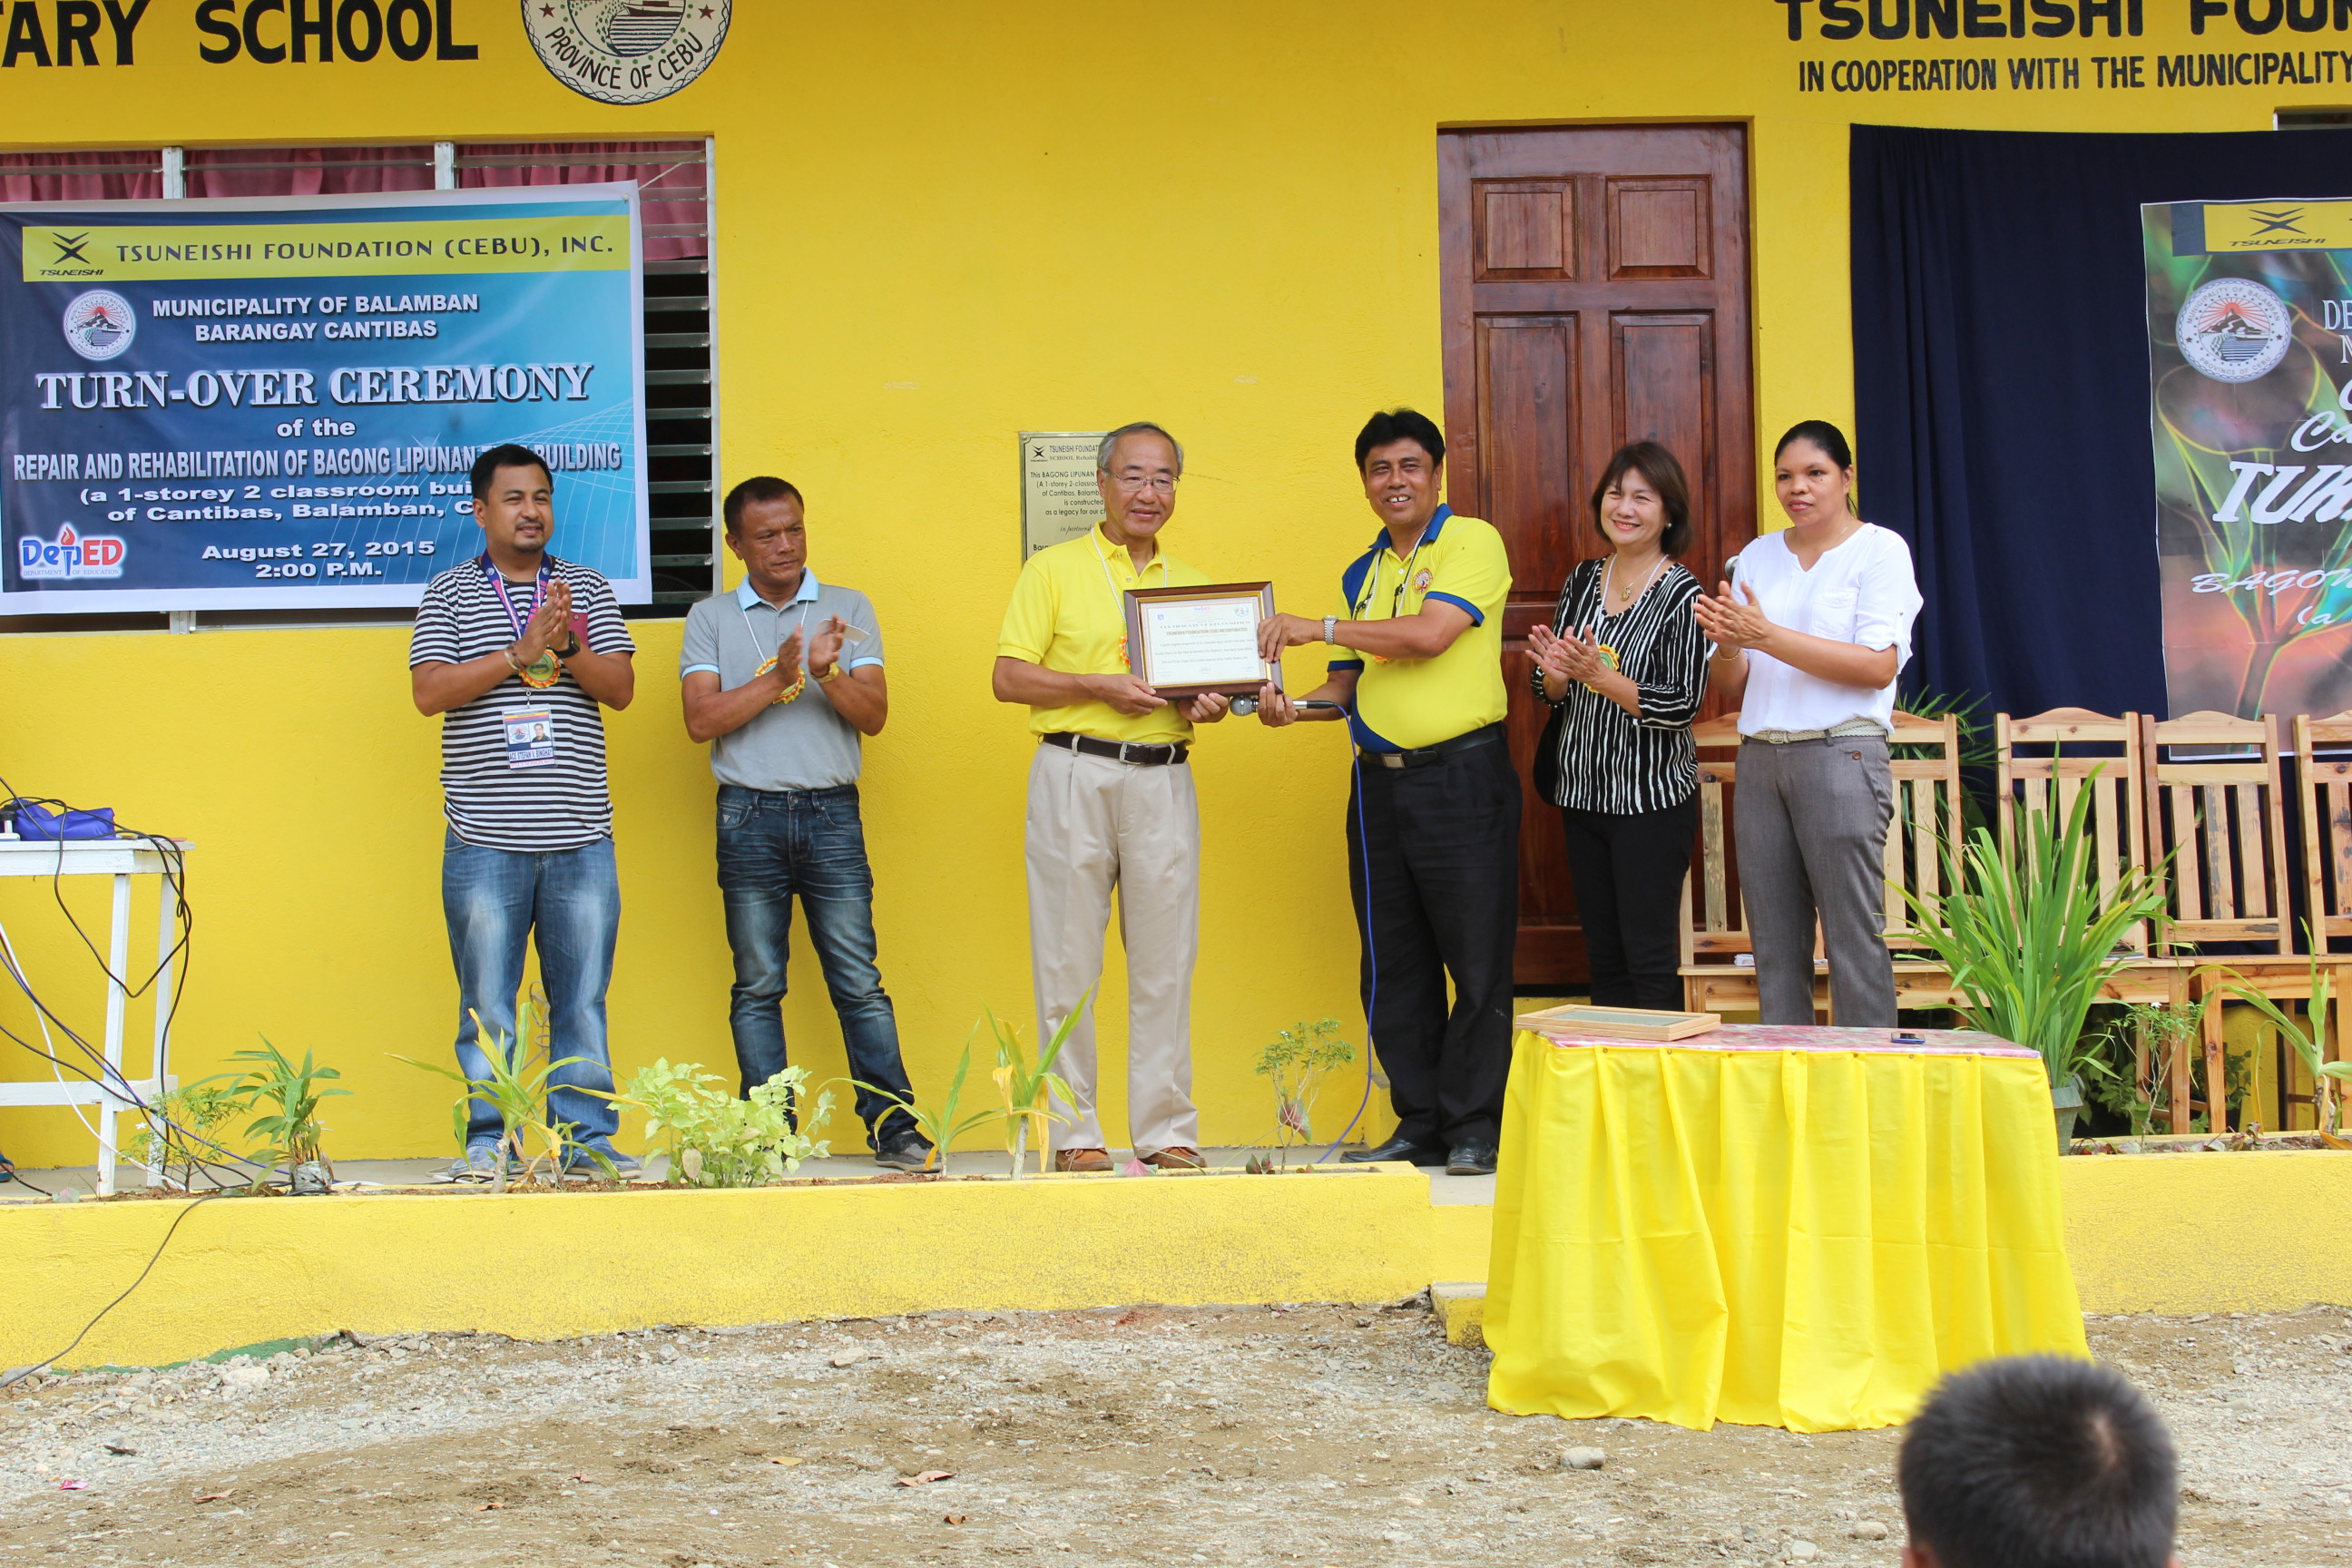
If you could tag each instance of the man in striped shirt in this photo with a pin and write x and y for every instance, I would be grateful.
(517, 650)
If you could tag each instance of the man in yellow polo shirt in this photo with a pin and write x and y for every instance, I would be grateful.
(1111, 806)
(1433, 818)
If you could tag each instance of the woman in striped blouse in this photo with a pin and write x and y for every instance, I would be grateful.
(1623, 667)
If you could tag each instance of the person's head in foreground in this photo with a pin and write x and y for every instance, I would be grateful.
(2038, 1462)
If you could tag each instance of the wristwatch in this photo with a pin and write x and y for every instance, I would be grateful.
(567, 650)
(831, 673)
(1330, 629)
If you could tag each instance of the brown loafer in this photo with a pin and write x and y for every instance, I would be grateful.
(1082, 1159)
(1176, 1157)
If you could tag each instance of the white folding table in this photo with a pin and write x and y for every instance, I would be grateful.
(121, 858)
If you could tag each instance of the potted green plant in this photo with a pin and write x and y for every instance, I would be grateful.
(2029, 937)
(287, 1095)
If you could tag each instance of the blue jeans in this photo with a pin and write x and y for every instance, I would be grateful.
(494, 901)
(772, 845)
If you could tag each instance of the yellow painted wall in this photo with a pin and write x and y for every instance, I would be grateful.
(936, 225)
(241, 1272)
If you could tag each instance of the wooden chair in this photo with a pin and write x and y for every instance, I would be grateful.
(2324, 804)
(1715, 916)
(2222, 818)
(2068, 751)
(2087, 750)
(1925, 832)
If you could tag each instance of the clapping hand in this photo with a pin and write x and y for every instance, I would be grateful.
(825, 648)
(550, 626)
(1728, 623)
(788, 658)
(1564, 659)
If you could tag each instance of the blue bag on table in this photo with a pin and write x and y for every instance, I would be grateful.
(33, 820)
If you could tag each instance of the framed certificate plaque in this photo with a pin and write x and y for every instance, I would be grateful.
(1183, 642)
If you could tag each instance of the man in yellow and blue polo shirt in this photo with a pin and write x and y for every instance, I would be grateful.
(1433, 818)
(1111, 806)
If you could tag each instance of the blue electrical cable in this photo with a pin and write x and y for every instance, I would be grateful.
(1371, 951)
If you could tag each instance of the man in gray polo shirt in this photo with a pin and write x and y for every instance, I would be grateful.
(782, 675)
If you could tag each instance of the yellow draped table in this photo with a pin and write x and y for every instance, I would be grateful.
(1798, 1227)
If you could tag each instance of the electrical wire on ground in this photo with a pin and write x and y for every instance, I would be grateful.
(20, 1374)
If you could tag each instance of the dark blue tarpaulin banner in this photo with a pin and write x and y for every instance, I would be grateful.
(2002, 364)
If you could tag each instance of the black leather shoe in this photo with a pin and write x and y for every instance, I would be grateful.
(1394, 1149)
(1471, 1160)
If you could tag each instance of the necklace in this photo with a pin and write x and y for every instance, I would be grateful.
(770, 662)
(1396, 595)
(1625, 597)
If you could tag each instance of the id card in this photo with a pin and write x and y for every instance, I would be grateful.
(530, 737)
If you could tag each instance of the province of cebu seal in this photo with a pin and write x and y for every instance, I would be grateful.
(2233, 329)
(626, 51)
(99, 324)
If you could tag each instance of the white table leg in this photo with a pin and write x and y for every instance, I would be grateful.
(118, 956)
(167, 933)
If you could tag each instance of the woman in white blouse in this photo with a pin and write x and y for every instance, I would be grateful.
(1811, 629)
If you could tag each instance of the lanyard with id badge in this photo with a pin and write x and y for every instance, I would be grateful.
(530, 736)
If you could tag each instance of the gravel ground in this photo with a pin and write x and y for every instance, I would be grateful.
(1315, 1435)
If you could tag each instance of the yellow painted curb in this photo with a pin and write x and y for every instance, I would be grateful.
(2208, 1233)
(1460, 1306)
(241, 1270)
(2157, 1233)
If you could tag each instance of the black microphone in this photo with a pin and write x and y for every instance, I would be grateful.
(1245, 706)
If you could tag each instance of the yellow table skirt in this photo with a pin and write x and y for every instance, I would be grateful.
(1805, 1239)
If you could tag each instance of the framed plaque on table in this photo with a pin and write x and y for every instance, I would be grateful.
(1182, 642)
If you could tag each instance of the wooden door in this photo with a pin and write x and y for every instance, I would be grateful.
(1595, 292)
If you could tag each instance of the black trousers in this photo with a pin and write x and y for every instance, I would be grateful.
(1628, 867)
(1433, 866)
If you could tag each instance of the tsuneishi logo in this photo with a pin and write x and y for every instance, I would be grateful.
(100, 324)
(626, 51)
(2233, 329)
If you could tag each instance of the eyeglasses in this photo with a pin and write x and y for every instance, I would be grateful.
(1135, 484)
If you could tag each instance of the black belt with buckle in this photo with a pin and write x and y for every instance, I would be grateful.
(1421, 756)
(1116, 751)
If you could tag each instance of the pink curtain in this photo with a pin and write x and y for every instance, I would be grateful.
(675, 224)
(669, 175)
(317, 170)
(80, 176)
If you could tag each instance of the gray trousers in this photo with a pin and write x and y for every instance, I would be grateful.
(1812, 824)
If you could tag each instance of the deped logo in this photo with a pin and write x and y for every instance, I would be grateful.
(71, 555)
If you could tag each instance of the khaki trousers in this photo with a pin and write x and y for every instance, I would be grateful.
(1097, 826)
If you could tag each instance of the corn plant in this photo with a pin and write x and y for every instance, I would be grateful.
(938, 1123)
(1026, 1087)
(288, 1097)
(517, 1090)
(2029, 938)
(715, 1140)
(178, 1128)
(1296, 1061)
(2307, 1037)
